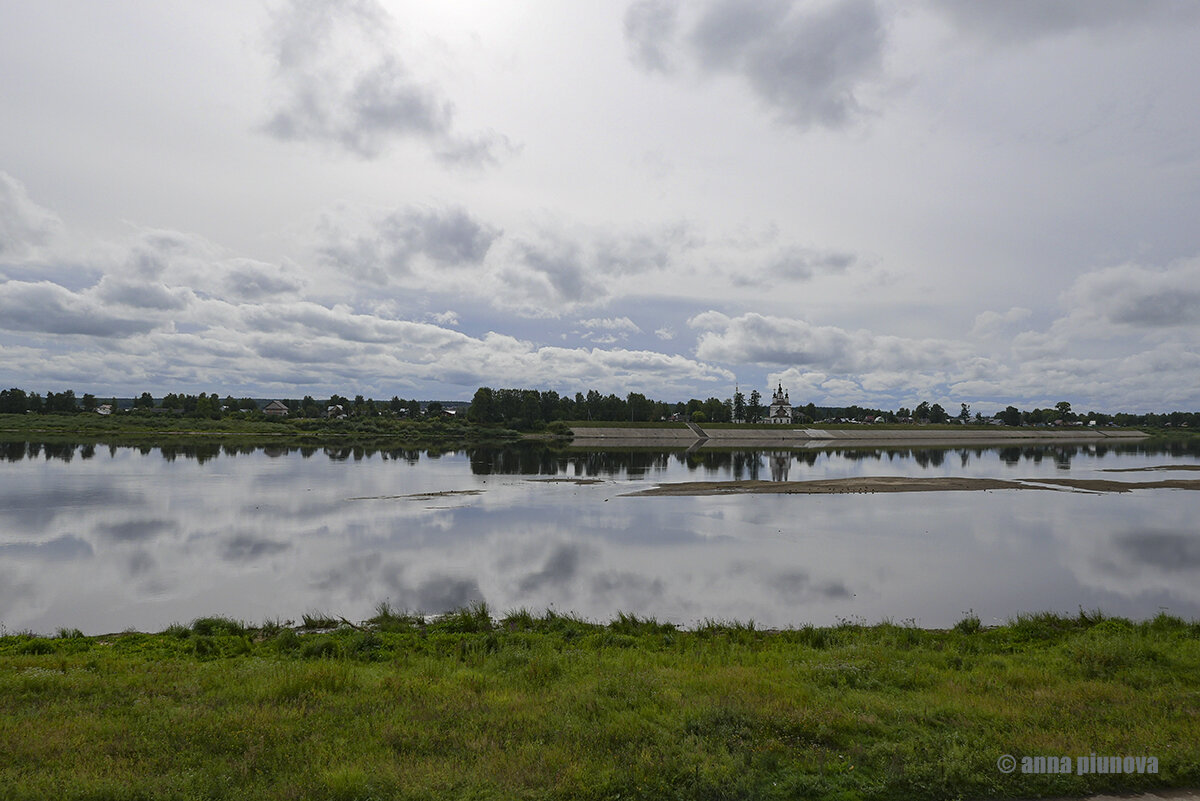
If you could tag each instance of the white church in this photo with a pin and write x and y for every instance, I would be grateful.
(781, 407)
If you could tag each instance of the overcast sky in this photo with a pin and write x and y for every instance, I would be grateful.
(872, 203)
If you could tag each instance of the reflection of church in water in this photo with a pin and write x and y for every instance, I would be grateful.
(779, 462)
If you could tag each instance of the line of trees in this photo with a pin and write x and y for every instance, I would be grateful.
(17, 401)
(532, 409)
(210, 405)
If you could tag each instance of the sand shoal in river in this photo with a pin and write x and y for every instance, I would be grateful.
(867, 484)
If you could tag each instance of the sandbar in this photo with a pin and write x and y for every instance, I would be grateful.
(870, 484)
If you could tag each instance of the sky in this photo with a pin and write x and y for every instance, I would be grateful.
(872, 203)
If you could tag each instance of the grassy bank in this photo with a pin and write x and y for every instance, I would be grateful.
(135, 429)
(554, 707)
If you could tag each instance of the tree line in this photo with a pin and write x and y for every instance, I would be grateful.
(210, 405)
(529, 409)
(532, 409)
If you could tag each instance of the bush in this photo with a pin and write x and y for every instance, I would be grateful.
(559, 429)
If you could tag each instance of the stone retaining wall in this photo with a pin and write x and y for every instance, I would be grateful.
(790, 437)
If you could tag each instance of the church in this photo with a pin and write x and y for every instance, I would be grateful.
(781, 407)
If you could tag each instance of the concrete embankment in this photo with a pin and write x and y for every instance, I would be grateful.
(695, 436)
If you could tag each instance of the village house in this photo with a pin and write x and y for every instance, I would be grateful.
(276, 409)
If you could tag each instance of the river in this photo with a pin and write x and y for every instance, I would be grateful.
(105, 538)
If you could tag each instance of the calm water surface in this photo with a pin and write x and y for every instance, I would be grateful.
(104, 538)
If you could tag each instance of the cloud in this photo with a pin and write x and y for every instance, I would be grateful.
(48, 308)
(990, 323)
(554, 271)
(341, 83)
(483, 150)
(782, 341)
(618, 328)
(394, 244)
(445, 318)
(1023, 21)
(140, 295)
(251, 280)
(1141, 297)
(795, 263)
(24, 225)
(809, 64)
(664, 333)
(650, 27)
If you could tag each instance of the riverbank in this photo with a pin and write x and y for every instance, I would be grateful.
(697, 436)
(159, 429)
(560, 708)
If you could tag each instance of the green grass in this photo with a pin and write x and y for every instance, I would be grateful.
(555, 707)
(157, 430)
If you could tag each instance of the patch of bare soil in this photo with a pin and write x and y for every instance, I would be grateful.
(835, 485)
(1147, 469)
(1103, 485)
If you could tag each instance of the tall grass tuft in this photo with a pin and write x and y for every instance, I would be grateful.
(473, 619)
(969, 624)
(319, 620)
(390, 619)
(212, 626)
(633, 625)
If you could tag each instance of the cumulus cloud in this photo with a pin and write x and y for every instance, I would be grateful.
(623, 324)
(608, 330)
(990, 323)
(24, 225)
(809, 64)
(139, 295)
(342, 82)
(177, 312)
(1141, 297)
(48, 308)
(391, 246)
(251, 280)
(781, 341)
(1020, 21)
(553, 271)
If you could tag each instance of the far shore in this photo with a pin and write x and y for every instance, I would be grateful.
(698, 437)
